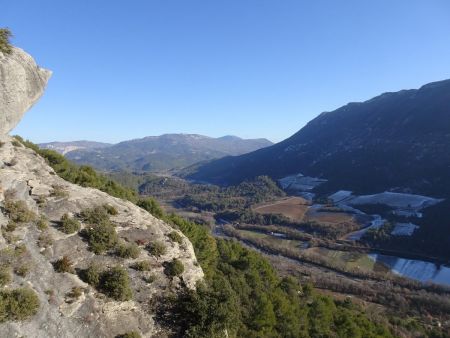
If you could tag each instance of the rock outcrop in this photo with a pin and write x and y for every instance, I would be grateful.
(25, 176)
(33, 200)
(22, 83)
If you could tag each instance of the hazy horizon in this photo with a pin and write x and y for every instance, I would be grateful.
(137, 138)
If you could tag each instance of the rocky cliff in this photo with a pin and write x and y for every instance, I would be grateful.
(22, 83)
(92, 265)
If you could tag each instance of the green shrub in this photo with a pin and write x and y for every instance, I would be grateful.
(5, 276)
(176, 237)
(11, 226)
(157, 248)
(101, 237)
(174, 268)
(95, 215)
(22, 270)
(128, 250)
(45, 240)
(41, 201)
(18, 211)
(115, 283)
(16, 143)
(18, 304)
(151, 206)
(91, 275)
(9, 237)
(59, 191)
(42, 223)
(132, 334)
(75, 293)
(20, 250)
(142, 266)
(69, 225)
(110, 209)
(63, 265)
(150, 279)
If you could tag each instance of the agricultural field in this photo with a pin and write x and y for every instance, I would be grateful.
(294, 208)
(329, 217)
(351, 259)
(273, 239)
(299, 210)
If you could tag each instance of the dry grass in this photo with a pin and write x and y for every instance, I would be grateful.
(330, 217)
(293, 207)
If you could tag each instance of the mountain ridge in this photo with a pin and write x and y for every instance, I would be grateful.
(162, 152)
(392, 127)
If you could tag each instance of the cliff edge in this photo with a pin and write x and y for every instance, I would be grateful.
(22, 83)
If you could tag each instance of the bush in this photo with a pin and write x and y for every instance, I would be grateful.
(101, 237)
(5, 276)
(20, 250)
(45, 240)
(110, 209)
(150, 279)
(5, 46)
(75, 293)
(42, 223)
(69, 225)
(9, 237)
(176, 237)
(18, 211)
(157, 248)
(11, 226)
(96, 215)
(128, 250)
(142, 266)
(91, 275)
(16, 143)
(174, 268)
(151, 206)
(18, 304)
(115, 283)
(22, 270)
(41, 201)
(63, 265)
(59, 191)
(132, 334)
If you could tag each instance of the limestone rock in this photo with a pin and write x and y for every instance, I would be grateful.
(25, 176)
(22, 83)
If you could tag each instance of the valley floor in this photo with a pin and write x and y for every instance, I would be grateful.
(339, 267)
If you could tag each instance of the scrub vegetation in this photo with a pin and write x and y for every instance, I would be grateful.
(5, 45)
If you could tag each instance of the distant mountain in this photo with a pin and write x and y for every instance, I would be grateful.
(396, 140)
(65, 147)
(163, 152)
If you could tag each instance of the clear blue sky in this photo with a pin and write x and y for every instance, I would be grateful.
(252, 68)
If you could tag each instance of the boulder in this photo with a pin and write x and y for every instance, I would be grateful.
(22, 83)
